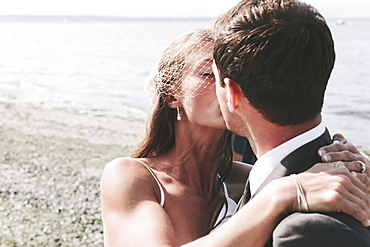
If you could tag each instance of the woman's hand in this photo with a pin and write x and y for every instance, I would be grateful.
(331, 187)
(346, 173)
(342, 150)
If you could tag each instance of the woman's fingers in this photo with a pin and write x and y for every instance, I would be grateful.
(357, 166)
(358, 188)
(339, 167)
(339, 151)
(342, 192)
(339, 144)
(355, 207)
(357, 184)
(345, 151)
(363, 178)
(353, 166)
(337, 137)
(352, 193)
(343, 155)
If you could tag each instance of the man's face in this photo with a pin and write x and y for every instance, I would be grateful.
(233, 121)
(221, 96)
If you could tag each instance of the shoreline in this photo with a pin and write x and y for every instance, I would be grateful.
(51, 164)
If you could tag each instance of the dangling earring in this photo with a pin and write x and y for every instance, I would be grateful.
(178, 116)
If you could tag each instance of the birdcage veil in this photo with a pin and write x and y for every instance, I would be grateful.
(184, 68)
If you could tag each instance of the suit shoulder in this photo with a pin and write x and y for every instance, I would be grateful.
(315, 229)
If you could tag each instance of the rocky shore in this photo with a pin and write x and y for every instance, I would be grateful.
(51, 162)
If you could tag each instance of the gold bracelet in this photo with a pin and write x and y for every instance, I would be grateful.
(301, 197)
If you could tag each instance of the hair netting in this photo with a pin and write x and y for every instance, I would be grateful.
(185, 67)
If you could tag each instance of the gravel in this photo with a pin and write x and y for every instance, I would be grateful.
(51, 162)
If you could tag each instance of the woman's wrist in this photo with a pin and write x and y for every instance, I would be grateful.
(283, 195)
(301, 196)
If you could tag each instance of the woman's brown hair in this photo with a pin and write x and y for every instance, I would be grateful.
(160, 132)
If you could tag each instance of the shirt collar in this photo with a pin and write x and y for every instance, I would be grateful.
(267, 162)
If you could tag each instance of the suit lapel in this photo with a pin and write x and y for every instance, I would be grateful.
(245, 197)
(299, 160)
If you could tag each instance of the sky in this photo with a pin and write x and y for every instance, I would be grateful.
(164, 8)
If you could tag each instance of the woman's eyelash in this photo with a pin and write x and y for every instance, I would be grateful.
(207, 74)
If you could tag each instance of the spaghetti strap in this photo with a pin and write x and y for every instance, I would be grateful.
(156, 179)
(227, 209)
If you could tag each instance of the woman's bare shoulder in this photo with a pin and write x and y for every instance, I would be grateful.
(123, 176)
(124, 164)
(130, 199)
(122, 168)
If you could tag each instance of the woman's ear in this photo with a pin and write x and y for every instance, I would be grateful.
(172, 101)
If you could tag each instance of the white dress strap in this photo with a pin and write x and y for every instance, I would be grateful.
(156, 179)
(227, 210)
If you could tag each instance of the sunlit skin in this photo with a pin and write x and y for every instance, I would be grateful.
(203, 108)
(188, 171)
(233, 121)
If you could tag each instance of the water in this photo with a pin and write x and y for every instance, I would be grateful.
(347, 102)
(100, 68)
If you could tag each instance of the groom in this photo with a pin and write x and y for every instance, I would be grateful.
(273, 59)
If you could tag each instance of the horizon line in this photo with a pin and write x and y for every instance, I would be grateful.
(92, 18)
(108, 18)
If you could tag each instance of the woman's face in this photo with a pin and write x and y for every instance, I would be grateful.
(200, 103)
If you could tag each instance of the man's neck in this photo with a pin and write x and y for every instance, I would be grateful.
(265, 135)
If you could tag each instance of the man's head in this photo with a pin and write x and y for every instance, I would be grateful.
(280, 53)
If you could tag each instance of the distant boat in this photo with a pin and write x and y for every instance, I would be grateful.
(340, 22)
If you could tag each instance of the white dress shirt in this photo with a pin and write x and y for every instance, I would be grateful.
(267, 162)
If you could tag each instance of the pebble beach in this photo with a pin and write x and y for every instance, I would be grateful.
(51, 163)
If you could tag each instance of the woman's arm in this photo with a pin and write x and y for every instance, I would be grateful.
(341, 192)
(131, 213)
(255, 222)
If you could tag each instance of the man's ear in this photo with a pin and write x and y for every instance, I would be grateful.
(234, 94)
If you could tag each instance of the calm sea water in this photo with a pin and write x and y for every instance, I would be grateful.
(100, 68)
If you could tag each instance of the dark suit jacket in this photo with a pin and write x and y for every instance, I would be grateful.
(312, 229)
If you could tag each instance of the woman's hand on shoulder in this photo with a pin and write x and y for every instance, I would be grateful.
(130, 209)
(341, 183)
(346, 173)
(336, 192)
(344, 151)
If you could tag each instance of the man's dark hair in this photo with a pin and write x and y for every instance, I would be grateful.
(281, 53)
